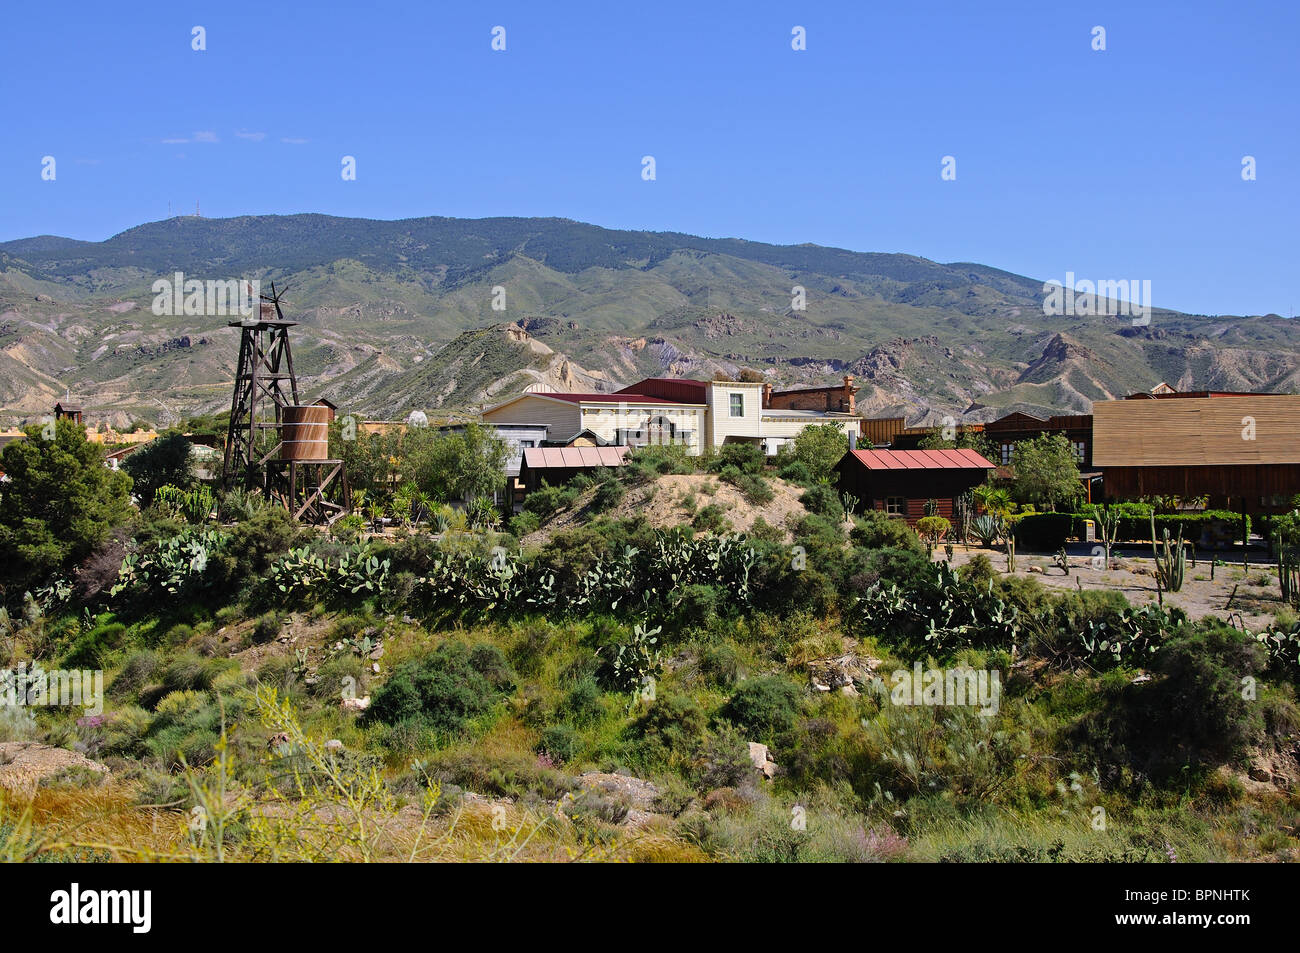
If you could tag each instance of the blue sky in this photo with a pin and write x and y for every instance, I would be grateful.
(1117, 164)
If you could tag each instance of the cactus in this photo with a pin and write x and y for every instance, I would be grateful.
(1108, 524)
(1170, 559)
(1288, 571)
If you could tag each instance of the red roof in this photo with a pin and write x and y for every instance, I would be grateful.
(679, 390)
(921, 460)
(571, 458)
(619, 398)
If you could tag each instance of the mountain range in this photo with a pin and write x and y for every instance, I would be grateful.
(399, 315)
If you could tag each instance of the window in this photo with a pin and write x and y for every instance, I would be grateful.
(1079, 448)
(1007, 449)
(896, 505)
(737, 405)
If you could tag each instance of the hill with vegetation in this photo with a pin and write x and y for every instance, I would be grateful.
(381, 306)
(615, 673)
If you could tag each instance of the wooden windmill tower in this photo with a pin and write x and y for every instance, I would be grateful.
(274, 444)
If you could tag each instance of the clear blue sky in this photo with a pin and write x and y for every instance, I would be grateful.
(1117, 164)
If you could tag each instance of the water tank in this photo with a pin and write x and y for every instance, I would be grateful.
(305, 433)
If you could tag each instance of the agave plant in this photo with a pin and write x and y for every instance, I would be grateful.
(986, 528)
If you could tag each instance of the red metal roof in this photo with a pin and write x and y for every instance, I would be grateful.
(680, 390)
(921, 460)
(572, 458)
(619, 398)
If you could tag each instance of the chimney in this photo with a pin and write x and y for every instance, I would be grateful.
(767, 396)
(847, 403)
(853, 439)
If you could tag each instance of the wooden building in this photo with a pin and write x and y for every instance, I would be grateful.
(65, 410)
(1005, 432)
(901, 482)
(559, 465)
(1241, 450)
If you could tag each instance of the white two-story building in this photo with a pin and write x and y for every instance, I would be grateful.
(695, 414)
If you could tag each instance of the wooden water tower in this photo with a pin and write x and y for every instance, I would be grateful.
(275, 445)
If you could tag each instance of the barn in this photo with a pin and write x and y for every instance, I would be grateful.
(901, 482)
(1240, 450)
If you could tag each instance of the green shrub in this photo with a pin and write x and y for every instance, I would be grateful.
(764, 707)
(1191, 716)
(609, 494)
(444, 689)
(1044, 532)
(672, 731)
(796, 471)
(710, 519)
(745, 457)
(91, 648)
(266, 628)
(524, 524)
(823, 501)
(560, 742)
(756, 489)
(876, 529)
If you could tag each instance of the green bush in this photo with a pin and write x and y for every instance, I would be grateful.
(1044, 532)
(91, 648)
(764, 707)
(524, 524)
(796, 471)
(1191, 716)
(444, 689)
(609, 494)
(823, 501)
(756, 489)
(876, 529)
(560, 742)
(710, 519)
(745, 457)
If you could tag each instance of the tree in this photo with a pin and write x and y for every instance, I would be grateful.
(158, 463)
(819, 448)
(466, 465)
(1046, 471)
(58, 504)
(369, 459)
(966, 440)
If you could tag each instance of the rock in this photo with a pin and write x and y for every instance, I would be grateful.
(1259, 774)
(636, 819)
(377, 654)
(375, 668)
(1036, 569)
(1144, 677)
(761, 758)
(24, 764)
(839, 671)
(334, 746)
(355, 704)
(634, 792)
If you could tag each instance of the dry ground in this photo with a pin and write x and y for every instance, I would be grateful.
(666, 503)
(1200, 596)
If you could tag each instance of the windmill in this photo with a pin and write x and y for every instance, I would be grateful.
(274, 444)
